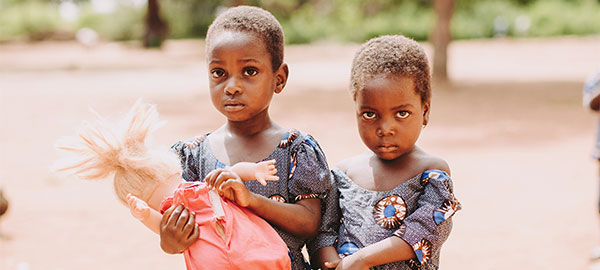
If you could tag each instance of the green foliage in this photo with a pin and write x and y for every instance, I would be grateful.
(310, 20)
(126, 23)
(29, 19)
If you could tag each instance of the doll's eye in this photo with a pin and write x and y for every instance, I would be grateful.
(369, 115)
(402, 114)
(217, 73)
(250, 72)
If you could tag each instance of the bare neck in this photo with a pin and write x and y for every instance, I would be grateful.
(252, 126)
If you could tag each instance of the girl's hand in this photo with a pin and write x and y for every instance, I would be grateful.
(139, 209)
(178, 229)
(229, 185)
(332, 264)
(352, 262)
(265, 171)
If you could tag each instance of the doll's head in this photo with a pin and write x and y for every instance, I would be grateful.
(245, 62)
(102, 149)
(250, 20)
(391, 88)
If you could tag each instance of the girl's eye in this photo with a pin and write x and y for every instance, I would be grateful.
(217, 73)
(250, 72)
(368, 115)
(402, 114)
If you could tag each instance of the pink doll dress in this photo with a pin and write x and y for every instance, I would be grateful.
(247, 242)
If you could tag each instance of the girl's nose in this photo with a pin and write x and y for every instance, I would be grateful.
(386, 130)
(233, 87)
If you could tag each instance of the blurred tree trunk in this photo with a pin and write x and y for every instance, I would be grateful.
(156, 27)
(441, 37)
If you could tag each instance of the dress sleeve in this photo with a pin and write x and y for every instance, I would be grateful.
(429, 225)
(309, 175)
(188, 156)
(330, 218)
(591, 89)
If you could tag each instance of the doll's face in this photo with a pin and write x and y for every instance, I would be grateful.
(242, 80)
(390, 115)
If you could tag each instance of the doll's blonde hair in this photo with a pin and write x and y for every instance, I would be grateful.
(102, 149)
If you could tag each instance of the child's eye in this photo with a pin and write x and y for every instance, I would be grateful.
(402, 114)
(368, 115)
(217, 73)
(250, 72)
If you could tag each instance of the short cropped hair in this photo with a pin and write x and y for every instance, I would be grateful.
(391, 55)
(251, 20)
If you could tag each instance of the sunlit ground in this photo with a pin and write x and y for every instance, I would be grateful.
(511, 126)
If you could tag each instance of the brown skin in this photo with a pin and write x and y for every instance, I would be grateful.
(242, 84)
(390, 117)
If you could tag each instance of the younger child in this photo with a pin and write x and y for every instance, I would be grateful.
(394, 202)
(244, 49)
(232, 237)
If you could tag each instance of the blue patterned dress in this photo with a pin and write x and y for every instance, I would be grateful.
(301, 166)
(418, 211)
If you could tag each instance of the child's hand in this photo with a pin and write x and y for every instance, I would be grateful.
(352, 262)
(139, 209)
(265, 171)
(178, 229)
(332, 264)
(229, 185)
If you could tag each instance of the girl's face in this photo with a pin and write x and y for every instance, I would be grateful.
(242, 81)
(390, 115)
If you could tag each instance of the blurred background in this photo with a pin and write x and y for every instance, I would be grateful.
(506, 114)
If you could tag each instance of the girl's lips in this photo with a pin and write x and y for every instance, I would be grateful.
(232, 107)
(387, 148)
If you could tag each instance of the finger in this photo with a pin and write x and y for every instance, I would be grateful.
(223, 177)
(189, 226)
(195, 233)
(172, 222)
(261, 180)
(270, 162)
(210, 178)
(183, 219)
(273, 171)
(272, 178)
(331, 264)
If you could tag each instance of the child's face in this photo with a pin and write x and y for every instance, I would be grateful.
(242, 81)
(390, 115)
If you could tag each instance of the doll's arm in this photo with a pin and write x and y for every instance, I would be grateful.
(262, 171)
(141, 211)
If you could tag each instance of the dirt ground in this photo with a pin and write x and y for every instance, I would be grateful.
(510, 125)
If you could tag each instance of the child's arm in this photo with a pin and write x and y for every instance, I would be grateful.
(141, 211)
(262, 171)
(426, 228)
(392, 249)
(301, 218)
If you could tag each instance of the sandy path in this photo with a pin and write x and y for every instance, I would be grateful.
(511, 127)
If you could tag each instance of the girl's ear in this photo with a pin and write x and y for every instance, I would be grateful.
(425, 113)
(281, 76)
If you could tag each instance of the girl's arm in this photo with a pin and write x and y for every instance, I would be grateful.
(388, 250)
(141, 211)
(300, 219)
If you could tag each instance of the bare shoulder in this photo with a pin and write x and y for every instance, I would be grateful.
(352, 162)
(430, 162)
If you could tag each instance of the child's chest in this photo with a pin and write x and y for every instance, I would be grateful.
(376, 178)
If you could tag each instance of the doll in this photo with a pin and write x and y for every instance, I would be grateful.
(148, 180)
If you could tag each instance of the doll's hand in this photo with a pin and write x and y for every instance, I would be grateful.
(265, 171)
(229, 185)
(139, 209)
(352, 262)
